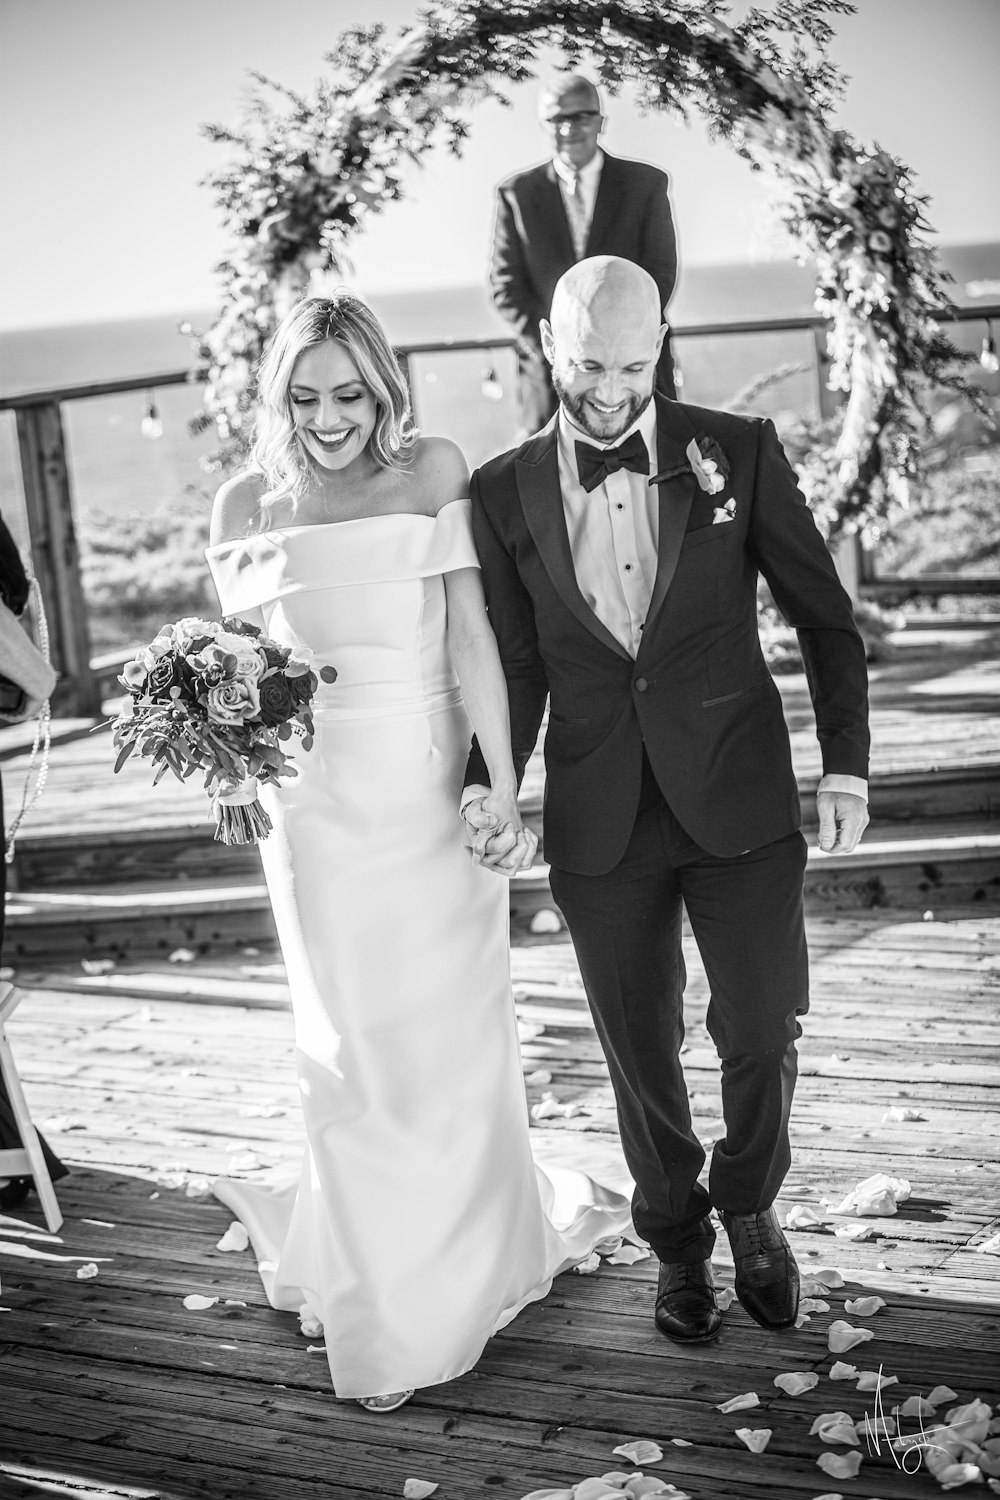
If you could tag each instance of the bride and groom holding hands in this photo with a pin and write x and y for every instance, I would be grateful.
(606, 567)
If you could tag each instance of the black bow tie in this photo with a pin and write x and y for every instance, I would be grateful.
(595, 464)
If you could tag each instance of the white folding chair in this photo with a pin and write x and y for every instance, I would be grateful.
(26, 1160)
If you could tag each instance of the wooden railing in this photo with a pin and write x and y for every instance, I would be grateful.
(48, 499)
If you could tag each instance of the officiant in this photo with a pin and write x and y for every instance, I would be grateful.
(581, 202)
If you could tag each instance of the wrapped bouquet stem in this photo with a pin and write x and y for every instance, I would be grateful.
(223, 699)
(239, 817)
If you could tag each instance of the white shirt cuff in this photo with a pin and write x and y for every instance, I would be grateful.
(856, 785)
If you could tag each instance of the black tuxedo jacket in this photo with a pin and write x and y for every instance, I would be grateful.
(699, 695)
(532, 245)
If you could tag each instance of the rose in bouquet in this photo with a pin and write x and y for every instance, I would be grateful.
(223, 699)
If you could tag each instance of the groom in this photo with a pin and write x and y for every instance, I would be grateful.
(620, 550)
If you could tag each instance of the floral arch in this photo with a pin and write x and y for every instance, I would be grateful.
(304, 172)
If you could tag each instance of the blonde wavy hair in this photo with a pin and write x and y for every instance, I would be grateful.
(344, 318)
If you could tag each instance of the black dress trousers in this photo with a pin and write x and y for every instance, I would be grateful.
(746, 916)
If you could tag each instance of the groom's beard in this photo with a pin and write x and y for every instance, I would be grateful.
(607, 430)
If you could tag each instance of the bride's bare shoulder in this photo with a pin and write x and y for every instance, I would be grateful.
(236, 510)
(440, 469)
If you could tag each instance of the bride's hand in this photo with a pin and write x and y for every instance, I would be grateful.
(501, 842)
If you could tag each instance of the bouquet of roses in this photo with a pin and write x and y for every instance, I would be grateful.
(221, 698)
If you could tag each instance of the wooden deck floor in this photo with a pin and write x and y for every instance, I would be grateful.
(112, 1388)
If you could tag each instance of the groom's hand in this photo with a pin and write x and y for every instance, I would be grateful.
(843, 818)
(497, 844)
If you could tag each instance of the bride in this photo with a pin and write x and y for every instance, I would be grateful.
(419, 1224)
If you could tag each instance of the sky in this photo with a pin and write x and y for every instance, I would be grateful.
(101, 103)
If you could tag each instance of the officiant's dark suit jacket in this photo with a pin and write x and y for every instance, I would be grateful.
(698, 696)
(532, 245)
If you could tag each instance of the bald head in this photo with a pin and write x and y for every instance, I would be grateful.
(602, 339)
(569, 108)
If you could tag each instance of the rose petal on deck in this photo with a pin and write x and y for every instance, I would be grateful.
(755, 1438)
(990, 1246)
(902, 1112)
(827, 1279)
(942, 1393)
(235, 1237)
(549, 1108)
(841, 1371)
(641, 1452)
(549, 1495)
(917, 1406)
(739, 1403)
(854, 1232)
(627, 1256)
(874, 1380)
(316, 1349)
(725, 1297)
(839, 1465)
(681, 1443)
(796, 1381)
(813, 1304)
(588, 1266)
(195, 1302)
(842, 1337)
(181, 956)
(86, 1272)
(538, 1077)
(418, 1489)
(834, 1427)
(864, 1307)
(801, 1216)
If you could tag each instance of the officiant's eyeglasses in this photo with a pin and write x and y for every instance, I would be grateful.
(578, 117)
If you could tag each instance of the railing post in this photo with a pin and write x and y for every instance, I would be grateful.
(55, 557)
(846, 551)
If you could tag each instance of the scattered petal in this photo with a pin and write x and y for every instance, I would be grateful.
(835, 1427)
(843, 1337)
(918, 1406)
(235, 1302)
(879, 1195)
(627, 1256)
(539, 1077)
(725, 1297)
(801, 1216)
(97, 965)
(310, 1326)
(235, 1237)
(641, 1452)
(839, 1465)
(549, 1495)
(841, 1371)
(854, 1232)
(902, 1112)
(826, 1280)
(796, 1381)
(546, 920)
(588, 1266)
(316, 1349)
(681, 1443)
(550, 1109)
(755, 1438)
(181, 956)
(198, 1187)
(418, 1489)
(195, 1302)
(942, 1393)
(802, 1318)
(739, 1403)
(86, 1272)
(262, 1111)
(864, 1307)
(245, 1161)
(875, 1426)
(813, 1304)
(98, 1223)
(990, 1246)
(874, 1380)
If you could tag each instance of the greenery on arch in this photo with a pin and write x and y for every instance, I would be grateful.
(304, 172)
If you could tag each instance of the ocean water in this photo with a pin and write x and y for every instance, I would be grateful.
(114, 468)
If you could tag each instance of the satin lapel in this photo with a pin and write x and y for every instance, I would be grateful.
(541, 500)
(607, 204)
(676, 496)
(552, 210)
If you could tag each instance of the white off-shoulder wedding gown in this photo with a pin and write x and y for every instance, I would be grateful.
(420, 1223)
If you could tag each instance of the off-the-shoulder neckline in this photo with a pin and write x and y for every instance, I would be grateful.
(387, 515)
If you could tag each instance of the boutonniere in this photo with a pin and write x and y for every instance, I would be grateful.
(709, 465)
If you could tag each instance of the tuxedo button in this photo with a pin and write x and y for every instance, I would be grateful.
(641, 684)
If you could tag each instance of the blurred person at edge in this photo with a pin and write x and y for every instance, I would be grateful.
(14, 1190)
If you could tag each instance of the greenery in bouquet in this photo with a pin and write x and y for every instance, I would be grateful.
(224, 699)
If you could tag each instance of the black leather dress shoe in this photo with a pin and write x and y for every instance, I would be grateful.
(686, 1309)
(767, 1278)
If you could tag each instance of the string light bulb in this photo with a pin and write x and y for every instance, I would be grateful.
(151, 426)
(491, 388)
(988, 354)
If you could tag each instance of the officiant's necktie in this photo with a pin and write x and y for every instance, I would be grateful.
(576, 213)
(595, 464)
